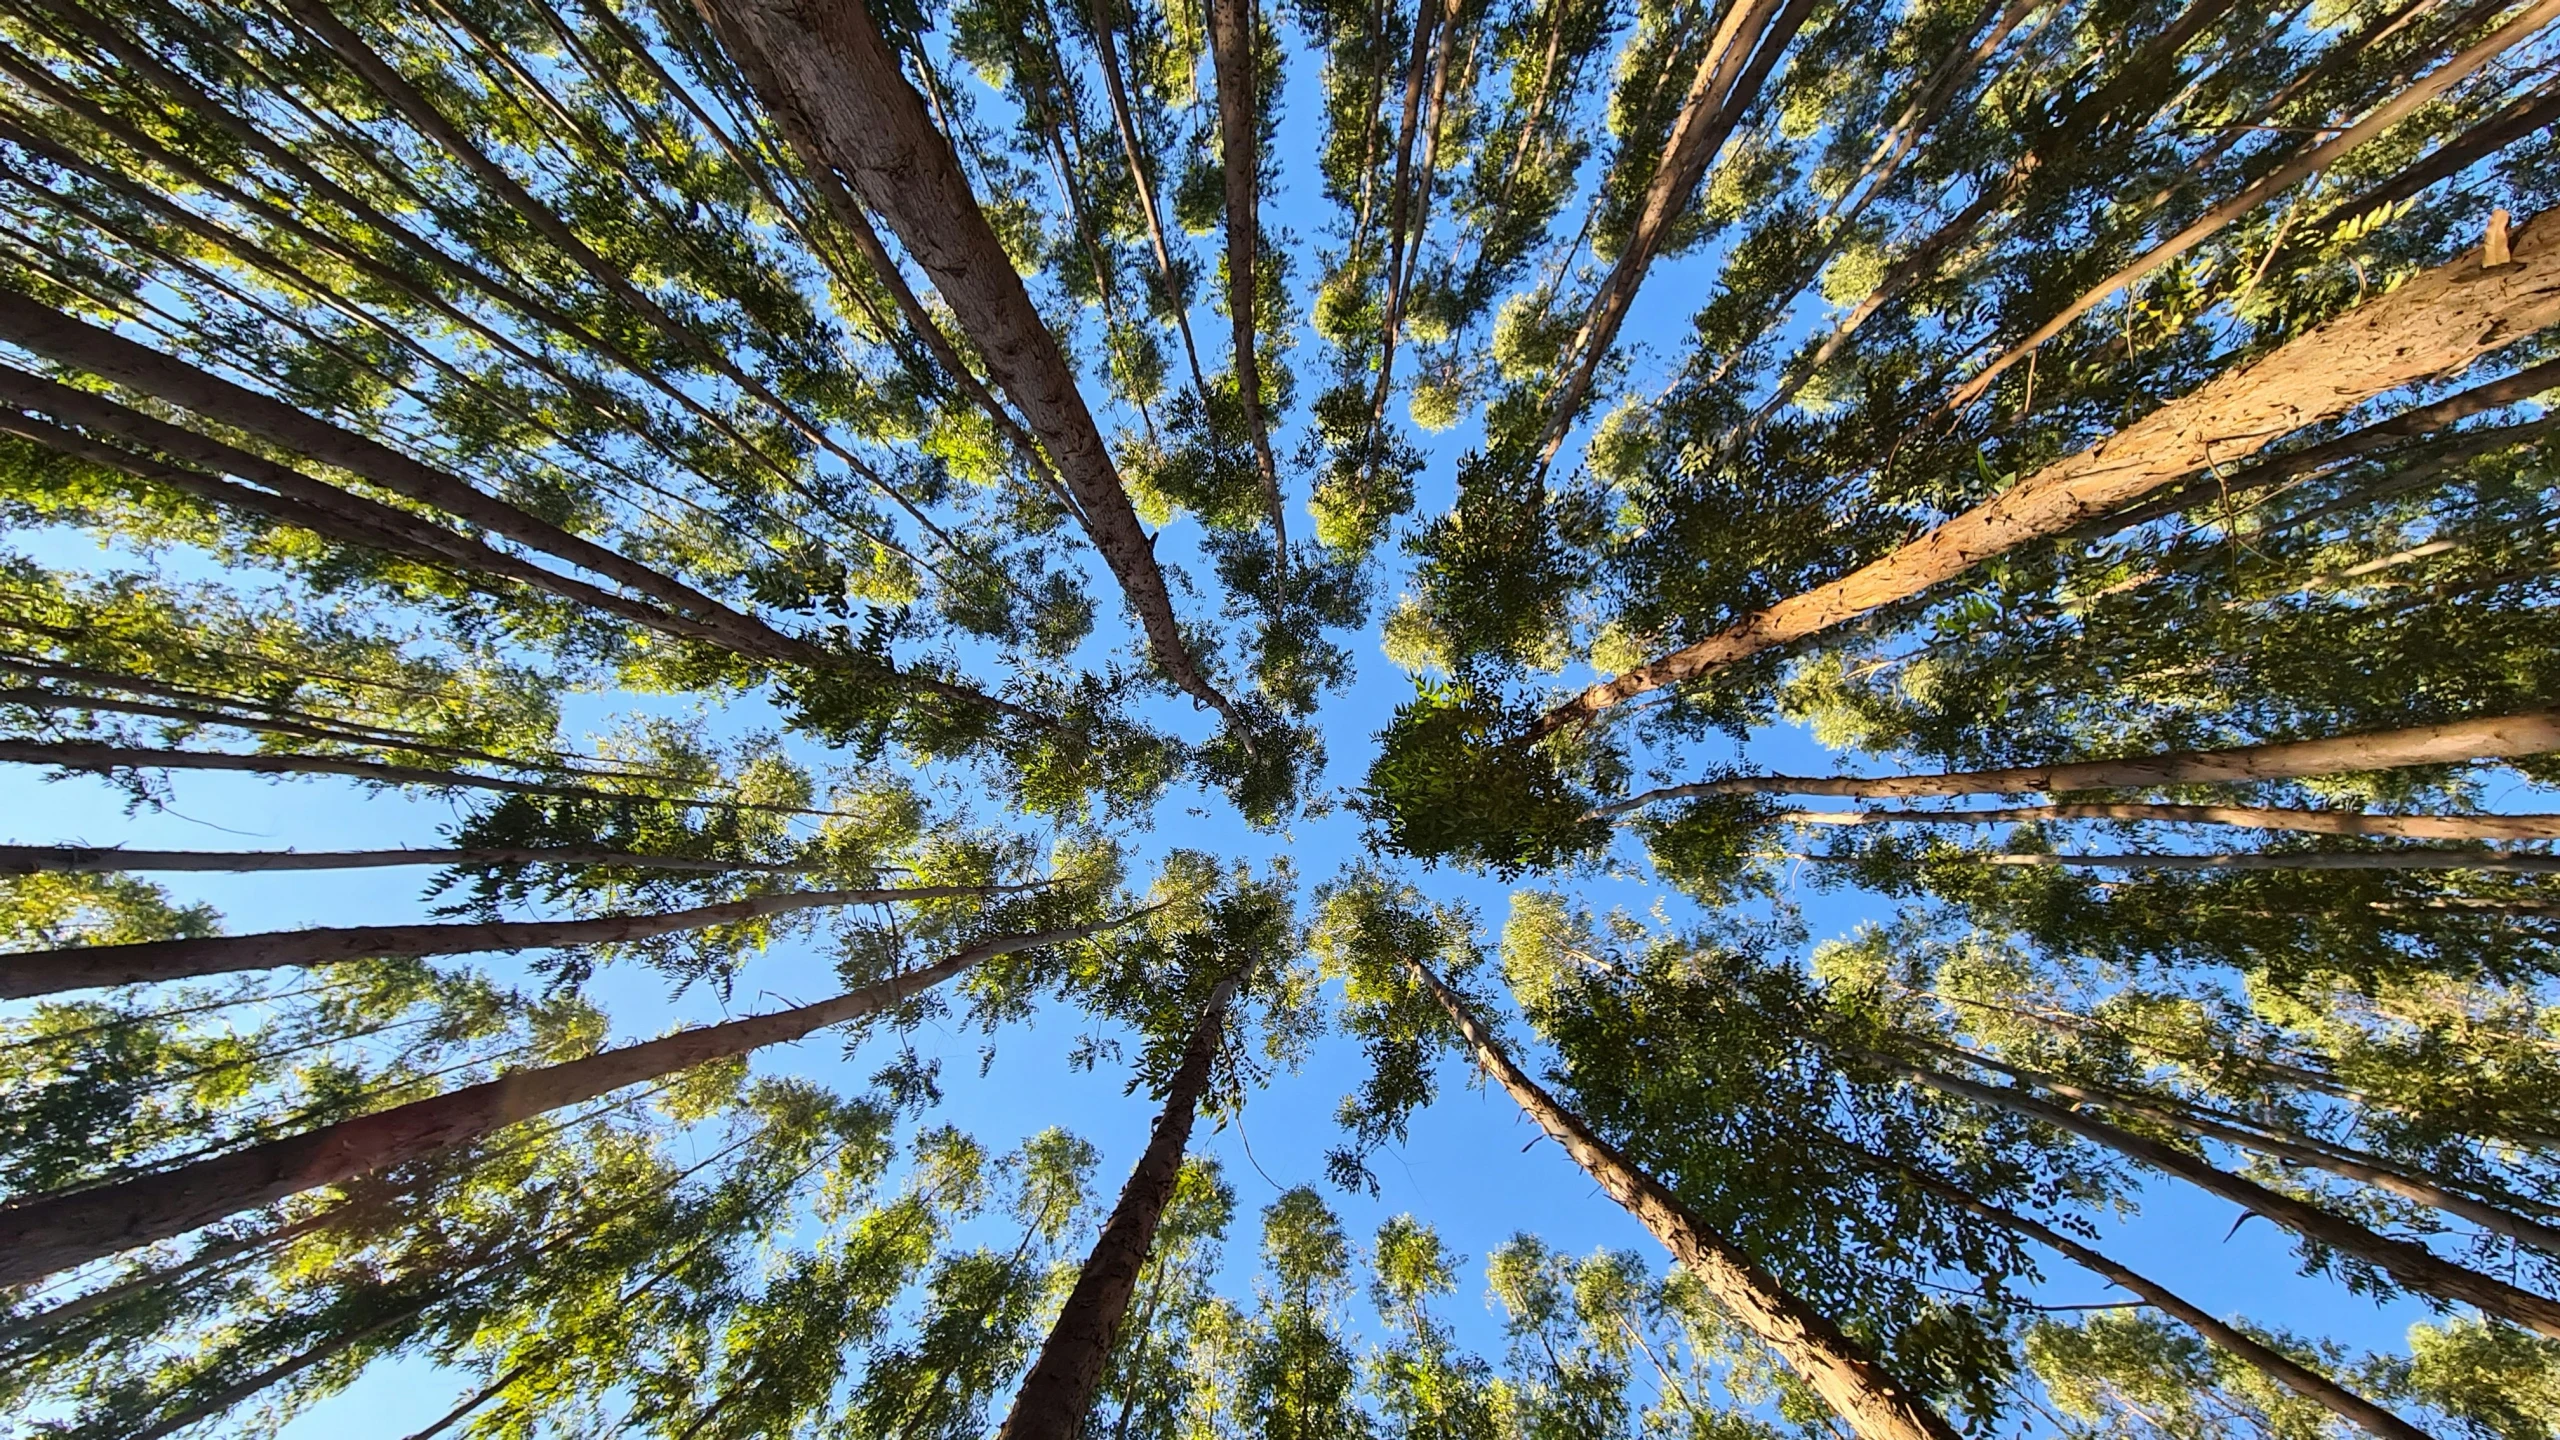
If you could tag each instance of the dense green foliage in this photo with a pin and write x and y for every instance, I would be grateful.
(809, 610)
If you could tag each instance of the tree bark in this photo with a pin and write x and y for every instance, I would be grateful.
(2274, 1364)
(2414, 1266)
(1058, 1392)
(2530, 114)
(2249, 817)
(2496, 862)
(2457, 742)
(108, 860)
(105, 759)
(1745, 48)
(85, 967)
(1231, 25)
(67, 341)
(1874, 1404)
(51, 1234)
(2349, 1165)
(2402, 103)
(829, 68)
(2436, 324)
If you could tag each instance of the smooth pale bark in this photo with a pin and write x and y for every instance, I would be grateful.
(109, 860)
(51, 1234)
(86, 967)
(2414, 1266)
(1058, 1392)
(2350, 1165)
(2498, 737)
(2248, 817)
(2274, 1364)
(1231, 24)
(2403, 102)
(2435, 325)
(826, 65)
(2412, 424)
(1745, 48)
(1875, 1405)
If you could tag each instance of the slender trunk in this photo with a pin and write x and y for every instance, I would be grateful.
(824, 62)
(1537, 112)
(205, 1259)
(1058, 1392)
(1426, 14)
(48, 1235)
(103, 860)
(1746, 47)
(2268, 1361)
(33, 698)
(1231, 55)
(2400, 106)
(2436, 324)
(2413, 1266)
(2495, 862)
(2349, 1165)
(84, 967)
(2312, 822)
(106, 759)
(67, 341)
(2457, 742)
(1124, 121)
(1875, 1404)
(2532, 113)
(2430, 326)
(1413, 217)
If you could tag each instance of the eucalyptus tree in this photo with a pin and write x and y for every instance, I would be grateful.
(2135, 412)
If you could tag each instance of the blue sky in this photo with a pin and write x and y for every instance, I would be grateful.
(1465, 1169)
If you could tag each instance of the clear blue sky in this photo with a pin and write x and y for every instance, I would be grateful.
(1465, 1169)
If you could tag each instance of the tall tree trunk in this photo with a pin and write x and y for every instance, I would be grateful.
(2402, 103)
(2434, 325)
(1876, 1405)
(2310, 822)
(106, 759)
(82, 967)
(2533, 113)
(1125, 122)
(2414, 1266)
(2499, 737)
(827, 66)
(2350, 1165)
(108, 860)
(1746, 47)
(2268, 1361)
(1231, 55)
(50, 1234)
(1058, 1392)
(2494, 862)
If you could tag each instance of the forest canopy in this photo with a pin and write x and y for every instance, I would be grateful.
(1927, 634)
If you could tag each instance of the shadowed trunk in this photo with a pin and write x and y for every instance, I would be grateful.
(2249, 817)
(1746, 47)
(2499, 737)
(48, 1235)
(107, 860)
(2366, 1169)
(1058, 1392)
(2403, 102)
(824, 64)
(2434, 325)
(84, 967)
(2414, 1266)
(1231, 25)
(2268, 1361)
(1874, 1404)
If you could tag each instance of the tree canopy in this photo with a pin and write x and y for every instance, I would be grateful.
(1910, 629)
